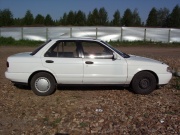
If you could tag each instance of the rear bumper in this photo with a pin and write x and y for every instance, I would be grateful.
(17, 77)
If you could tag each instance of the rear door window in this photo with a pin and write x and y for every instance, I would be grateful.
(63, 49)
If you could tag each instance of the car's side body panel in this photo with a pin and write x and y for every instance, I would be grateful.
(83, 70)
(65, 70)
(156, 67)
(104, 71)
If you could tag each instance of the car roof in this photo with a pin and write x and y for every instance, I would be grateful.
(85, 39)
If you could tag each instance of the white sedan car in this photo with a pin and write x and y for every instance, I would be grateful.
(84, 61)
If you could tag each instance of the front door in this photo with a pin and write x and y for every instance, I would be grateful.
(100, 67)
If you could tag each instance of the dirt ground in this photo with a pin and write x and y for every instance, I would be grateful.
(91, 110)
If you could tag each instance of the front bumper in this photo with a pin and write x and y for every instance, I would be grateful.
(164, 78)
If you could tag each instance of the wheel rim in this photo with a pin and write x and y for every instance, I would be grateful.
(144, 83)
(42, 84)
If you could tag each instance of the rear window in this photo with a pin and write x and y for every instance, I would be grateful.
(39, 48)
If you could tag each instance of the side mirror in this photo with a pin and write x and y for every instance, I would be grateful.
(115, 56)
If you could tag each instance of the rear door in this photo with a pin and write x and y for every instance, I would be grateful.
(64, 61)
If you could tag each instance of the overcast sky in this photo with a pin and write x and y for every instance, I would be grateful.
(56, 8)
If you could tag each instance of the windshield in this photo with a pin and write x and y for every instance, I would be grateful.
(39, 48)
(124, 55)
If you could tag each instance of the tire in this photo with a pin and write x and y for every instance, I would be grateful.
(144, 83)
(43, 84)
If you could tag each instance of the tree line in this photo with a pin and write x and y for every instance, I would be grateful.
(98, 17)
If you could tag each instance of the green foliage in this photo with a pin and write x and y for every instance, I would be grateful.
(48, 20)
(70, 18)
(83, 124)
(143, 43)
(103, 17)
(18, 22)
(90, 19)
(162, 16)
(131, 18)
(94, 17)
(11, 41)
(136, 20)
(174, 17)
(80, 18)
(127, 18)
(6, 17)
(116, 19)
(39, 19)
(177, 86)
(28, 18)
(55, 122)
(152, 18)
(7, 40)
(97, 17)
(63, 20)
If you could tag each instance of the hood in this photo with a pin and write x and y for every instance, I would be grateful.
(138, 60)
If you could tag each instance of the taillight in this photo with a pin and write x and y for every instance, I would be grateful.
(7, 64)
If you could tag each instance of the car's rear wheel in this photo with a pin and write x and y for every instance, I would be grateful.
(144, 83)
(43, 84)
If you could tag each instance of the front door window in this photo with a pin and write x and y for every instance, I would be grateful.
(96, 50)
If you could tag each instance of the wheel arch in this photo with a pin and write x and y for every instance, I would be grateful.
(157, 79)
(31, 76)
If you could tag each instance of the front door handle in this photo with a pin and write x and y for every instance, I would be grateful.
(89, 62)
(49, 61)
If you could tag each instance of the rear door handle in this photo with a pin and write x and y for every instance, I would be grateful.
(89, 62)
(49, 61)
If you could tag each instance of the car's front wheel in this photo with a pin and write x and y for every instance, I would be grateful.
(43, 84)
(144, 83)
